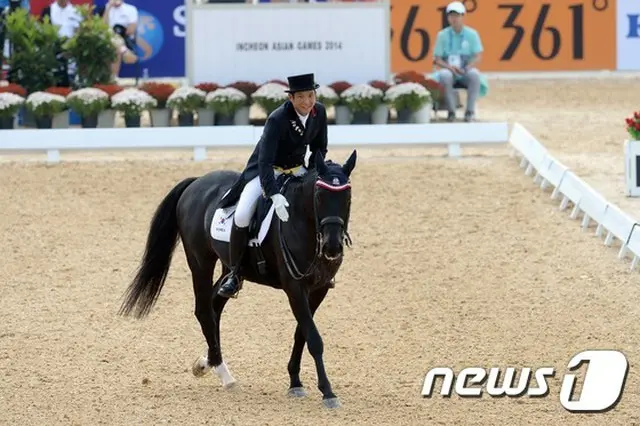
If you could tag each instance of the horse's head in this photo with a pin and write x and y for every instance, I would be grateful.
(332, 197)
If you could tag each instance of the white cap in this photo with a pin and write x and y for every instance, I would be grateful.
(456, 6)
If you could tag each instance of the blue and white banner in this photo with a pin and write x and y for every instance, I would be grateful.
(161, 38)
(628, 39)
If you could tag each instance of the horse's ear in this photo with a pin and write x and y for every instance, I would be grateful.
(350, 164)
(320, 166)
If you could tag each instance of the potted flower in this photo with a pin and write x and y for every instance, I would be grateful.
(186, 100)
(206, 116)
(61, 119)
(342, 113)
(225, 102)
(15, 89)
(160, 114)
(132, 102)
(107, 117)
(44, 106)
(88, 103)
(241, 117)
(10, 104)
(408, 99)
(270, 96)
(327, 96)
(362, 100)
(381, 113)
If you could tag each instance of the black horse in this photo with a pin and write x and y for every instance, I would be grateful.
(311, 241)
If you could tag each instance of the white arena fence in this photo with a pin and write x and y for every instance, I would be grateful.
(534, 157)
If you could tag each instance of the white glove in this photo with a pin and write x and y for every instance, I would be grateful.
(280, 203)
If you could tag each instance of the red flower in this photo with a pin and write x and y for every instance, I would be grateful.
(207, 86)
(62, 91)
(636, 115)
(16, 89)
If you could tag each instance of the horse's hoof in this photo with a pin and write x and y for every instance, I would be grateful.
(298, 392)
(228, 382)
(332, 402)
(200, 367)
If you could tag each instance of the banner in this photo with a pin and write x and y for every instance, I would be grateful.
(519, 35)
(161, 34)
(343, 41)
(628, 41)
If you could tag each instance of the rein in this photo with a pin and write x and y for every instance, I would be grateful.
(289, 261)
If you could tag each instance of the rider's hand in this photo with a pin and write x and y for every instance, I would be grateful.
(280, 203)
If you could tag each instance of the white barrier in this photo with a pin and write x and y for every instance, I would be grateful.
(52, 141)
(585, 200)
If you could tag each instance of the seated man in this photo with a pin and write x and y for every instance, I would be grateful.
(116, 14)
(457, 51)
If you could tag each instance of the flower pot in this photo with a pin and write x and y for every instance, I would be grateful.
(44, 122)
(205, 117)
(161, 117)
(7, 122)
(361, 117)
(60, 120)
(224, 120)
(107, 118)
(423, 115)
(185, 119)
(405, 116)
(132, 121)
(343, 114)
(241, 116)
(89, 122)
(380, 115)
(632, 167)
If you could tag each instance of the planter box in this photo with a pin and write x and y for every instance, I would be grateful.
(161, 117)
(107, 118)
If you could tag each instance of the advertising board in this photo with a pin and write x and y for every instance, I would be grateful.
(336, 41)
(520, 35)
(628, 30)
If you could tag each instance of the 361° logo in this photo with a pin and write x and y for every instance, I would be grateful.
(602, 387)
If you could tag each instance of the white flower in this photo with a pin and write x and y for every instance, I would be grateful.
(271, 91)
(225, 94)
(326, 92)
(89, 95)
(40, 98)
(133, 97)
(409, 88)
(10, 100)
(185, 92)
(361, 91)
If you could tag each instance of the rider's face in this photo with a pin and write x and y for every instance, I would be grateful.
(303, 101)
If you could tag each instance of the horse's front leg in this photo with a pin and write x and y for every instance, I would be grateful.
(295, 388)
(302, 311)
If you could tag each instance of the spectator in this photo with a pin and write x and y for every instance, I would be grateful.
(457, 52)
(123, 18)
(66, 17)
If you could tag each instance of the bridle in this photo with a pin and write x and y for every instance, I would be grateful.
(289, 261)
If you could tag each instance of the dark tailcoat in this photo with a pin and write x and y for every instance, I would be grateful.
(283, 144)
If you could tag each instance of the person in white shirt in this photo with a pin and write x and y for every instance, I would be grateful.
(119, 13)
(63, 15)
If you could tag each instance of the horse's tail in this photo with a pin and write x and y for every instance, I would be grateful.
(145, 288)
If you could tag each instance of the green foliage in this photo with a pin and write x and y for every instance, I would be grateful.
(92, 48)
(33, 60)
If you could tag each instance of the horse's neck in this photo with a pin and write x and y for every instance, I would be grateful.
(301, 225)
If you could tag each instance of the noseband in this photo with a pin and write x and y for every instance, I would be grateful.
(319, 224)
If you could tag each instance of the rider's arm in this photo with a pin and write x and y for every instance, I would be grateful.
(320, 142)
(267, 156)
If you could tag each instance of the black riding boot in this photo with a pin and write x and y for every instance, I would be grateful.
(237, 245)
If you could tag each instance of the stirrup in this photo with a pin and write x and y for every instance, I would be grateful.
(238, 287)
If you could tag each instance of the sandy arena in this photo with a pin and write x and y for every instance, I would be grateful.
(455, 263)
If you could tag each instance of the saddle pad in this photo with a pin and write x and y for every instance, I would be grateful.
(223, 220)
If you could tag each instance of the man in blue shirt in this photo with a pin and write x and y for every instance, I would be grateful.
(457, 51)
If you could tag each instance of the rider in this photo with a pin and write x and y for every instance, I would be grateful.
(298, 122)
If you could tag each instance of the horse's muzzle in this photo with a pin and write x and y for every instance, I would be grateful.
(332, 238)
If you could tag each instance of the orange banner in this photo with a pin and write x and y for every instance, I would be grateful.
(520, 35)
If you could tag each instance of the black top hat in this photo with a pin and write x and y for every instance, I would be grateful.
(301, 83)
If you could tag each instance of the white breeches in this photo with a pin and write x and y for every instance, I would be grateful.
(248, 201)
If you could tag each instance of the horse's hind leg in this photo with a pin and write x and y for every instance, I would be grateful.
(295, 388)
(203, 289)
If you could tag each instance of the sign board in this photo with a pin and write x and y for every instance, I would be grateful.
(260, 42)
(628, 41)
(632, 167)
(519, 35)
